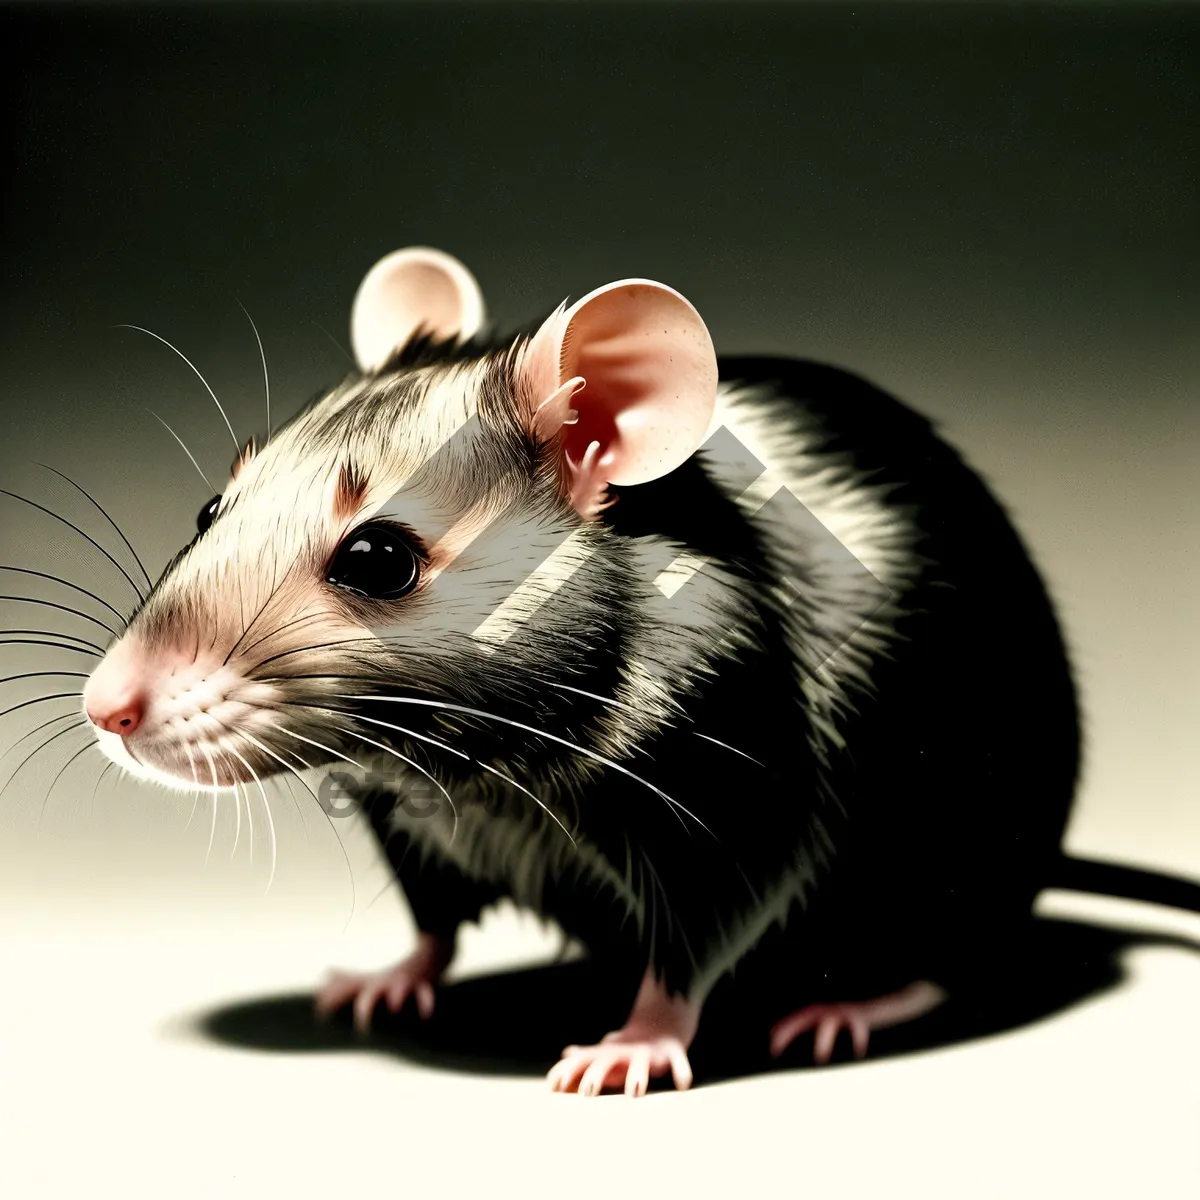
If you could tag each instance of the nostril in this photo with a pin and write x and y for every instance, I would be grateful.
(123, 720)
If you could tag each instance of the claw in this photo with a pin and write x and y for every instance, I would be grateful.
(414, 977)
(858, 1018)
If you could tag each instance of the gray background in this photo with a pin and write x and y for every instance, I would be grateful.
(991, 211)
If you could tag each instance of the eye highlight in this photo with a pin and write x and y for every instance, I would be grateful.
(205, 517)
(377, 562)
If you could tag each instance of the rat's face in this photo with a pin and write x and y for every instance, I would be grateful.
(397, 541)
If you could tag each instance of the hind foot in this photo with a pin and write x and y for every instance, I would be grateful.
(858, 1017)
(415, 976)
(653, 1041)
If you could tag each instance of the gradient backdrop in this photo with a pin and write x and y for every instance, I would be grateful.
(989, 210)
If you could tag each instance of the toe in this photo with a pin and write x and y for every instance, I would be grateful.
(334, 992)
(364, 1004)
(425, 999)
(637, 1078)
(681, 1069)
(827, 1032)
(785, 1032)
(860, 1034)
(592, 1083)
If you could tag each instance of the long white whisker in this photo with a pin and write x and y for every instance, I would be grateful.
(407, 732)
(562, 687)
(196, 370)
(267, 807)
(196, 798)
(600, 758)
(522, 788)
(183, 446)
(727, 746)
(261, 355)
(328, 749)
(249, 817)
(417, 767)
(336, 836)
(237, 809)
(212, 770)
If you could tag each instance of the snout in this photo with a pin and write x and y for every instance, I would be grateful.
(115, 696)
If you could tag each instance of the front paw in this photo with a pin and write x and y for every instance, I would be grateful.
(627, 1059)
(415, 976)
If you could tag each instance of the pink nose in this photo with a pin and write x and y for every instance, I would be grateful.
(122, 719)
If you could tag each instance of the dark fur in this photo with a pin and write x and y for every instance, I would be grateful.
(924, 842)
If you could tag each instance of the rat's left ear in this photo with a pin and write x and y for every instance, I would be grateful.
(627, 379)
(414, 289)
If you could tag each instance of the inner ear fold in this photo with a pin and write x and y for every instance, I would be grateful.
(627, 378)
(411, 290)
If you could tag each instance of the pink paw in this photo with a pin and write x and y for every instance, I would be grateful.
(858, 1017)
(622, 1059)
(415, 976)
(828, 1020)
(653, 1041)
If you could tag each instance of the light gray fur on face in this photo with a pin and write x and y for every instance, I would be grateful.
(246, 608)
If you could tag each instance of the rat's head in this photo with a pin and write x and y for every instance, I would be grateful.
(402, 535)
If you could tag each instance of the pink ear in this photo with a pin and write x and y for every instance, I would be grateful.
(416, 288)
(628, 377)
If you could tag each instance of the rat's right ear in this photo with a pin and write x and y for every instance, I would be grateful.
(410, 290)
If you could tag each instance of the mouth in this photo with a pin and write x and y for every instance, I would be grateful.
(202, 752)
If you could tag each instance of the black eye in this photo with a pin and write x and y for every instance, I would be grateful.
(376, 561)
(205, 516)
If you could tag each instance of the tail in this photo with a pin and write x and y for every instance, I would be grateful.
(1124, 883)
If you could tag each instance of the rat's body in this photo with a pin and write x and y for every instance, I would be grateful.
(911, 788)
(671, 722)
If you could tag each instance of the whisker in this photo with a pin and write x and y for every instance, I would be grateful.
(522, 788)
(38, 749)
(336, 836)
(38, 729)
(104, 513)
(43, 674)
(55, 634)
(39, 700)
(726, 746)
(267, 807)
(600, 758)
(335, 342)
(191, 364)
(62, 608)
(183, 447)
(280, 628)
(416, 767)
(237, 809)
(96, 788)
(116, 612)
(51, 645)
(421, 737)
(245, 792)
(306, 649)
(328, 749)
(91, 745)
(212, 770)
(608, 700)
(262, 355)
(268, 751)
(261, 609)
(196, 798)
(86, 537)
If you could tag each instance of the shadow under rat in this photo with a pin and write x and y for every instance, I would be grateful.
(516, 1022)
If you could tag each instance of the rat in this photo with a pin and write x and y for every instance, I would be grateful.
(699, 658)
